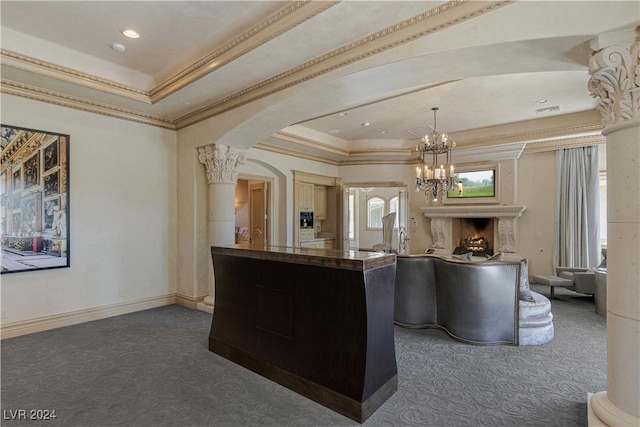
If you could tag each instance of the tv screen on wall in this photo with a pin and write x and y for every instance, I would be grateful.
(481, 183)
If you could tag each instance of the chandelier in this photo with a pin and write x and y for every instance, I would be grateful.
(435, 175)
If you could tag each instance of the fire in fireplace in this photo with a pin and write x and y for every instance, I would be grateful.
(477, 245)
(474, 237)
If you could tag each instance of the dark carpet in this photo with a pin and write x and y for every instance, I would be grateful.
(153, 368)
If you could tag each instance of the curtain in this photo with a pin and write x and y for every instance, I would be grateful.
(577, 242)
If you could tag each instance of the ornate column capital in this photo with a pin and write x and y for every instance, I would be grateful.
(221, 162)
(615, 76)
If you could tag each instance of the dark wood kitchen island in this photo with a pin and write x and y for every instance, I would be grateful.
(319, 322)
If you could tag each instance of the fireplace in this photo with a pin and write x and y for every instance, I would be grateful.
(498, 226)
(473, 235)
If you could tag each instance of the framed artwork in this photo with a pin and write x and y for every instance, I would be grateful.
(50, 206)
(51, 156)
(475, 184)
(17, 180)
(34, 212)
(32, 171)
(52, 184)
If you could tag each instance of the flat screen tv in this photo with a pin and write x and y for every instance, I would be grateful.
(475, 185)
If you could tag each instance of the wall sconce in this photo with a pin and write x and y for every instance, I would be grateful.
(237, 205)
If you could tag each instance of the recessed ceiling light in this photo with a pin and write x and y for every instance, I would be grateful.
(132, 34)
(334, 131)
(344, 113)
(366, 124)
(117, 47)
(186, 102)
(384, 132)
(541, 101)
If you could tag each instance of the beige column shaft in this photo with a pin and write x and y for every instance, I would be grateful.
(615, 80)
(221, 164)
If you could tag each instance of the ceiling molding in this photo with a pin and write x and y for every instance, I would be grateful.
(435, 19)
(568, 125)
(283, 20)
(356, 162)
(294, 153)
(385, 151)
(51, 97)
(311, 143)
(47, 69)
(563, 143)
(428, 22)
(507, 151)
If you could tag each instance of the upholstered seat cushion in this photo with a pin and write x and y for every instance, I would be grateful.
(525, 289)
(536, 321)
(566, 275)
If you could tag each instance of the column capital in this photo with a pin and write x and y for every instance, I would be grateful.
(615, 77)
(221, 162)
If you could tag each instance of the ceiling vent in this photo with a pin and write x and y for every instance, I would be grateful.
(548, 109)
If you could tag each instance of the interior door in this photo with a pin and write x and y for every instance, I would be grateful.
(258, 212)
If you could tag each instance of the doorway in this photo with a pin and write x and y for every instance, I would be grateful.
(365, 206)
(253, 211)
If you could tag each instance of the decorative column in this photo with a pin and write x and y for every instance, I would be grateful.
(221, 163)
(615, 80)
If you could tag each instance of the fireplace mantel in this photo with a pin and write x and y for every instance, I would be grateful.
(505, 216)
(488, 211)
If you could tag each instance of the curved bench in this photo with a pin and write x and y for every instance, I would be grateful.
(474, 302)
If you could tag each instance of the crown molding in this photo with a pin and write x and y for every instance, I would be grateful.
(566, 125)
(294, 153)
(56, 98)
(388, 151)
(506, 151)
(438, 18)
(311, 143)
(435, 19)
(361, 162)
(563, 143)
(54, 71)
(285, 19)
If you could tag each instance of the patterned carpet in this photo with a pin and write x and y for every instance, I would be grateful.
(153, 368)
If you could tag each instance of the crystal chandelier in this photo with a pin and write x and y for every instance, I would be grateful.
(435, 175)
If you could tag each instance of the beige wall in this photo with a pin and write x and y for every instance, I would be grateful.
(537, 191)
(139, 202)
(194, 258)
(123, 218)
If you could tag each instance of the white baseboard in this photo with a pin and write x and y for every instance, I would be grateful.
(10, 330)
(188, 301)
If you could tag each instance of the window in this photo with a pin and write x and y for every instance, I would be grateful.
(377, 208)
(375, 212)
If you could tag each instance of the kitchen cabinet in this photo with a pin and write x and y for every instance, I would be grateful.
(305, 194)
(320, 208)
(312, 244)
(317, 243)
